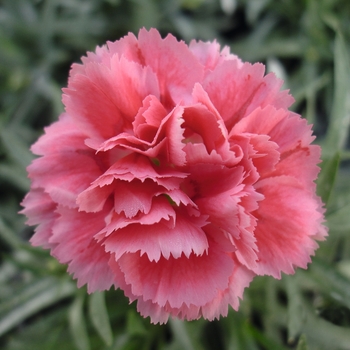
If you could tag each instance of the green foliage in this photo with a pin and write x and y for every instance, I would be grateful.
(305, 42)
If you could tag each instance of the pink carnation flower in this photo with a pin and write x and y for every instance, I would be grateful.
(177, 173)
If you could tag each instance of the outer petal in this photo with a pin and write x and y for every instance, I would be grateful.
(63, 175)
(176, 67)
(239, 280)
(105, 100)
(73, 235)
(246, 89)
(60, 137)
(285, 128)
(288, 219)
(208, 53)
(177, 281)
(40, 210)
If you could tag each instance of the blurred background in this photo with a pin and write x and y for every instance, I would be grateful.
(305, 42)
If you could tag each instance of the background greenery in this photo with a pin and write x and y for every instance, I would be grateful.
(306, 42)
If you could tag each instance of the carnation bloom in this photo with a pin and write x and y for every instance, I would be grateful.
(176, 173)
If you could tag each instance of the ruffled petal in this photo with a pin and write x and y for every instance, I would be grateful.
(186, 236)
(176, 67)
(40, 210)
(246, 89)
(73, 236)
(288, 220)
(177, 281)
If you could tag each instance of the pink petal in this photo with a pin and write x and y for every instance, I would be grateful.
(61, 136)
(128, 47)
(209, 55)
(176, 67)
(200, 121)
(73, 235)
(63, 175)
(246, 89)
(177, 281)
(40, 210)
(105, 98)
(288, 219)
(166, 144)
(160, 239)
(135, 169)
(301, 164)
(285, 128)
(203, 179)
(260, 152)
(149, 118)
(239, 280)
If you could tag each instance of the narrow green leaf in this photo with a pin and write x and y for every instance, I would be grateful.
(15, 175)
(338, 221)
(99, 316)
(16, 148)
(302, 344)
(50, 295)
(340, 119)
(134, 324)
(77, 324)
(331, 281)
(296, 315)
(180, 334)
(326, 180)
(324, 335)
(8, 236)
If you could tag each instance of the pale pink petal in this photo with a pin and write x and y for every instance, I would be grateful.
(209, 54)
